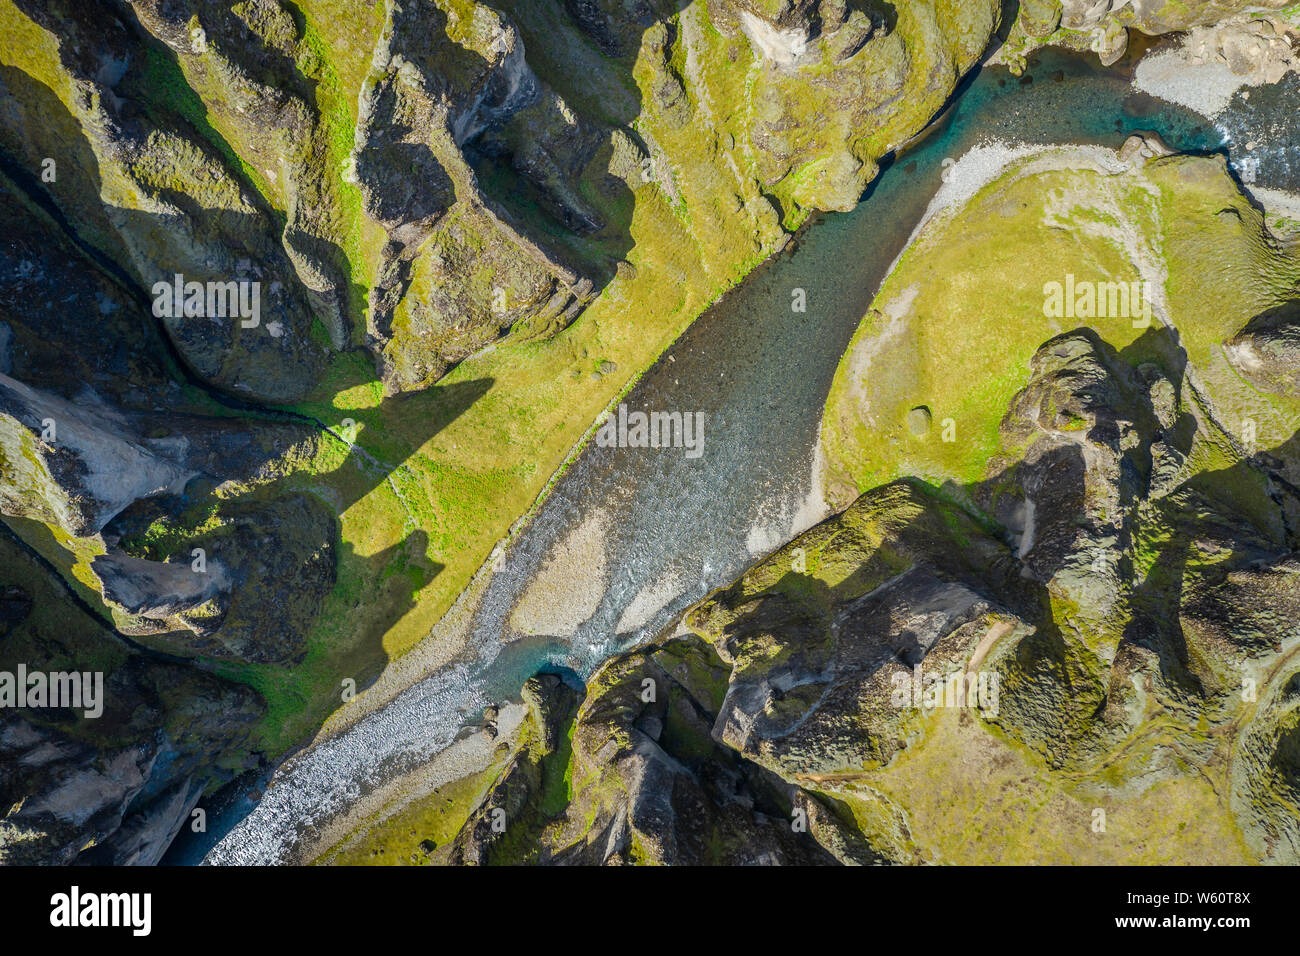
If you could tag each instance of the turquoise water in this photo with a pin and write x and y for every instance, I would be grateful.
(760, 373)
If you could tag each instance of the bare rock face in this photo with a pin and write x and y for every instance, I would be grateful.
(114, 784)
(1071, 505)
(1260, 50)
(443, 85)
(1085, 420)
(93, 475)
(793, 722)
(1247, 611)
(62, 319)
(828, 681)
(76, 467)
(162, 590)
(782, 32)
(1040, 18)
(618, 26)
(95, 431)
(74, 801)
(104, 445)
(1155, 16)
(660, 792)
(1266, 777)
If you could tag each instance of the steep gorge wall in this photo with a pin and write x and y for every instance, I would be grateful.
(403, 183)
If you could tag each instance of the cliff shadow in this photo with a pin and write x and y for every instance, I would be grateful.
(229, 441)
(554, 178)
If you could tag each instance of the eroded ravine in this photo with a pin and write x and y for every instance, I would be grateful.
(630, 537)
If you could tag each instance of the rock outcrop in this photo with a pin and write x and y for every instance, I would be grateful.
(1261, 51)
(112, 787)
(1154, 16)
(252, 66)
(1146, 499)
(171, 203)
(97, 440)
(1087, 600)
(1267, 350)
(101, 458)
(648, 784)
(75, 467)
(1238, 33)
(477, 198)
(817, 143)
(443, 84)
(247, 584)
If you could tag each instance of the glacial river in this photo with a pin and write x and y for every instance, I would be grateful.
(650, 532)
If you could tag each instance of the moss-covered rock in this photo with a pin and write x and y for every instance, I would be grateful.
(1104, 28)
(838, 85)
(264, 86)
(1149, 527)
(112, 787)
(172, 202)
(265, 568)
(634, 777)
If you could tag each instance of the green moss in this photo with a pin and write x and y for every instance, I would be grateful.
(165, 92)
(414, 833)
(963, 346)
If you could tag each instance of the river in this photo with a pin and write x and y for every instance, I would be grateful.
(630, 537)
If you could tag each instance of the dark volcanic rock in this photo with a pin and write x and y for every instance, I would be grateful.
(113, 787)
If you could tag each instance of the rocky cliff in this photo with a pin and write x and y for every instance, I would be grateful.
(212, 208)
(1247, 36)
(1071, 639)
(301, 305)
(112, 787)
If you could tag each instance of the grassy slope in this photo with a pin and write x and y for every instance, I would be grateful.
(973, 798)
(964, 350)
(416, 527)
(964, 346)
(397, 840)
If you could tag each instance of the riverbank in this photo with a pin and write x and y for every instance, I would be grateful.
(759, 370)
